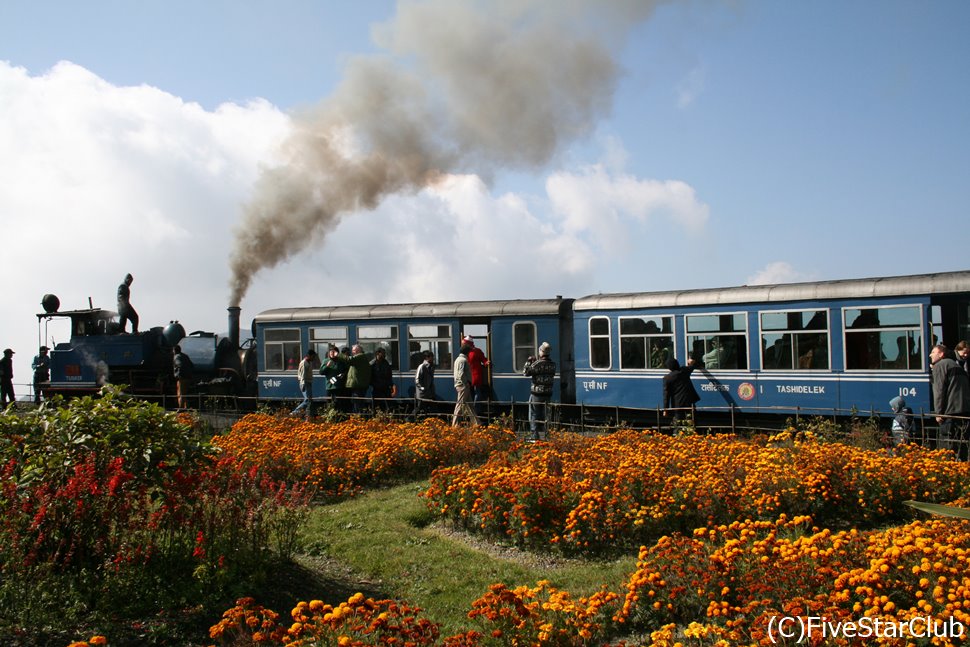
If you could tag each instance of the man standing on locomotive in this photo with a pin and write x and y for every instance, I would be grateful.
(125, 312)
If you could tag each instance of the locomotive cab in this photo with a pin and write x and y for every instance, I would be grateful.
(94, 356)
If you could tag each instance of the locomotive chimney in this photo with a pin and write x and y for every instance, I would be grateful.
(234, 325)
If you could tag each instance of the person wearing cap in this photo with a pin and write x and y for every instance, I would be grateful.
(463, 388)
(6, 379)
(126, 313)
(542, 370)
(42, 371)
(305, 375)
(478, 364)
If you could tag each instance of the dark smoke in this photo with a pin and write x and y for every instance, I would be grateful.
(465, 87)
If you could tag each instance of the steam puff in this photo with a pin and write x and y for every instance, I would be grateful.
(467, 88)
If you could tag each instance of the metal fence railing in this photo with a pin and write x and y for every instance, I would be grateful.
(950, 432)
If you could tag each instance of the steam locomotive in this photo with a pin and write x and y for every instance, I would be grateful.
(98, 353)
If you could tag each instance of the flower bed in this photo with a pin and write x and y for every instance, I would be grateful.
(338, 459)
(626, 489)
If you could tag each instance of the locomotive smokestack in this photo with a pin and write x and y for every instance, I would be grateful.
(234, 325)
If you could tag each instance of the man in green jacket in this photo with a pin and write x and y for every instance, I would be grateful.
(358, 376)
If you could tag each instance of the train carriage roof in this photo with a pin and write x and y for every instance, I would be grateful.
(921, 284)
(520, 307)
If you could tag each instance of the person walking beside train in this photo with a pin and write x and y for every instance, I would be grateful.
(424, 391)
(543, 374)
(308, 365)
(42, 371)
(126, 312)
(951, 400)
(6, 379)
(463, 388)
(182, 370)
(679, 393)
(358, 377)
(381, 378)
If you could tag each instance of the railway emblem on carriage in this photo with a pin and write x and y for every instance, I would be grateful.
(746, 391)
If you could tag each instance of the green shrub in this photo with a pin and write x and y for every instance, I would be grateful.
(114, 508)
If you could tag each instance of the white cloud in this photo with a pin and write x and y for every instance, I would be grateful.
(101, 180)
(779, 272)
(602, 206)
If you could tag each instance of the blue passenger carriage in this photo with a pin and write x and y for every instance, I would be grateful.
(507, 331)
(825, 347)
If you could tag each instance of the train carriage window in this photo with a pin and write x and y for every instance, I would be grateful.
(646, 342)
(433, 337)
(883, 338)
(599, 343)
(281, 349)
(371, 338)
(321, 338)
(795, 339)
(523, 342)
(718, 340)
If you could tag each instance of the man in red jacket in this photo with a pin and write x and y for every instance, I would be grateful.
(479, 366)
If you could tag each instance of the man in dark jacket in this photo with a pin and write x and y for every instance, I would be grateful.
(543, 374)
(6, 379)
(126, 312)
(424, 390)
(951, 400)
(182, 370)
(335, 370)
(42, 371)
(679, 392)
(381, 378)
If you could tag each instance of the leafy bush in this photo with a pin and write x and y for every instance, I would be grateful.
(114, 508)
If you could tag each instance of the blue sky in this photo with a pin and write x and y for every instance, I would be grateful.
(741, 142)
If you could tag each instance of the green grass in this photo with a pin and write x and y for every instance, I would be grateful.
(389, 543)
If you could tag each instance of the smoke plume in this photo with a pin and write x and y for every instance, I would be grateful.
(464, 87)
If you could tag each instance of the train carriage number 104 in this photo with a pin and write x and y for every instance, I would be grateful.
(907, 391)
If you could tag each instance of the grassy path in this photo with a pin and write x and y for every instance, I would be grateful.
(384, 544)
